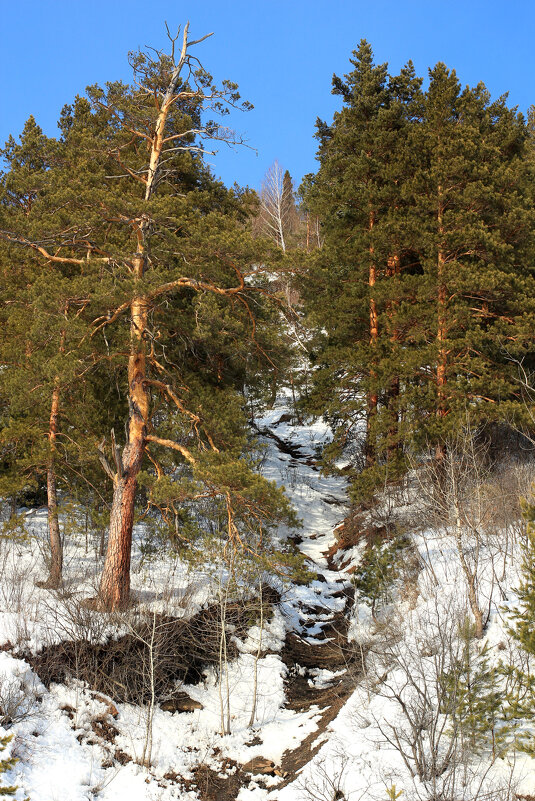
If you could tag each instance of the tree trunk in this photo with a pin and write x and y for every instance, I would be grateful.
(442, 327)
(114, 589)
(373, 399)
(56, 546)
(114, 592)
(393, 446)
(393, 270)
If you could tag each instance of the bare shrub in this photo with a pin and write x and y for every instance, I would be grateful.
(415, 666)
(17, 699)
(327, 780)
(15, 574)
(423, 732)
(456, 498)
(118, 665)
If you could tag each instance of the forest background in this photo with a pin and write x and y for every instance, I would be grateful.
(151, 314)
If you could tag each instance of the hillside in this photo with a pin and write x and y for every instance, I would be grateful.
(338, 695)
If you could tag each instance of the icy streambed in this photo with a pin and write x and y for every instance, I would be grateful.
(60, 756)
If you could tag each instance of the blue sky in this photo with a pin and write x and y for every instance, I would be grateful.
(282, 54)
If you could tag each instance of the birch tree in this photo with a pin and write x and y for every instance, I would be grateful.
(278, 214)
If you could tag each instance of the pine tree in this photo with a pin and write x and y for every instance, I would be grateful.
(377, 572)
(5, 765)
(522, 629)
(360, 285)
(470, 194)
(48, 400)
(474, 697)
(176, 299)
(423, 290)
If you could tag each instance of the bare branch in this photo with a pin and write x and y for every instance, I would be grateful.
(104, 462)
(169, 443)
(117, 455)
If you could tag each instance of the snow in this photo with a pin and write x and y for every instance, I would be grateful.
(62, 758)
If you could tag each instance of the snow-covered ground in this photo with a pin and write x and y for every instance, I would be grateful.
(70, 747)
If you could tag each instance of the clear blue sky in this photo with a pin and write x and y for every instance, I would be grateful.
(282, 54)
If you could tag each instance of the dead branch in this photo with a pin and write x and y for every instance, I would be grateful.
(169, 443)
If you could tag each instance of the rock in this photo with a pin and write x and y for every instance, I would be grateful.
(181, 703)
(260, 765)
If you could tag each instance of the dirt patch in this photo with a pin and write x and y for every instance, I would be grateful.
(120, 668)
(212, 785)
(104, 729)
(333, 652)
(350, 533)
(293, 761)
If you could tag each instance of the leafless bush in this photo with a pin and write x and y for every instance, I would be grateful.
(422, 724)
(327, 780)
(113, 660)
(456, 497)
(15, 577)
(478, 504)
(422, 732)
(70, 619)
(17, 699)
(393, 509)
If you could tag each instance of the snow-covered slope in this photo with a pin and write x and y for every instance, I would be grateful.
(331, 681)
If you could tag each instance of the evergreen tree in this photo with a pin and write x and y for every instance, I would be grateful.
(377, 572)
(422, 294)
(360, 285)
(5, 765)
(473, 694)
(49, 403)
(470, 194)
(522, 628)
(175, 297)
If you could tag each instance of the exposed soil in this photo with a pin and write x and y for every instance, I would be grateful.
(184, 648)
(334, 699)
(332, 652)
(119, 668)
(295, 451)
(212, 786)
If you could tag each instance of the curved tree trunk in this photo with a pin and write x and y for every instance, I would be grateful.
(114, 588)
(114, 591)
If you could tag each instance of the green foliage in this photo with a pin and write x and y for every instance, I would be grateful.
(5, 765)
(473, 695)
(14, 528)
(380, 566)
(423, 289)
(521, 698)
(83, 197)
